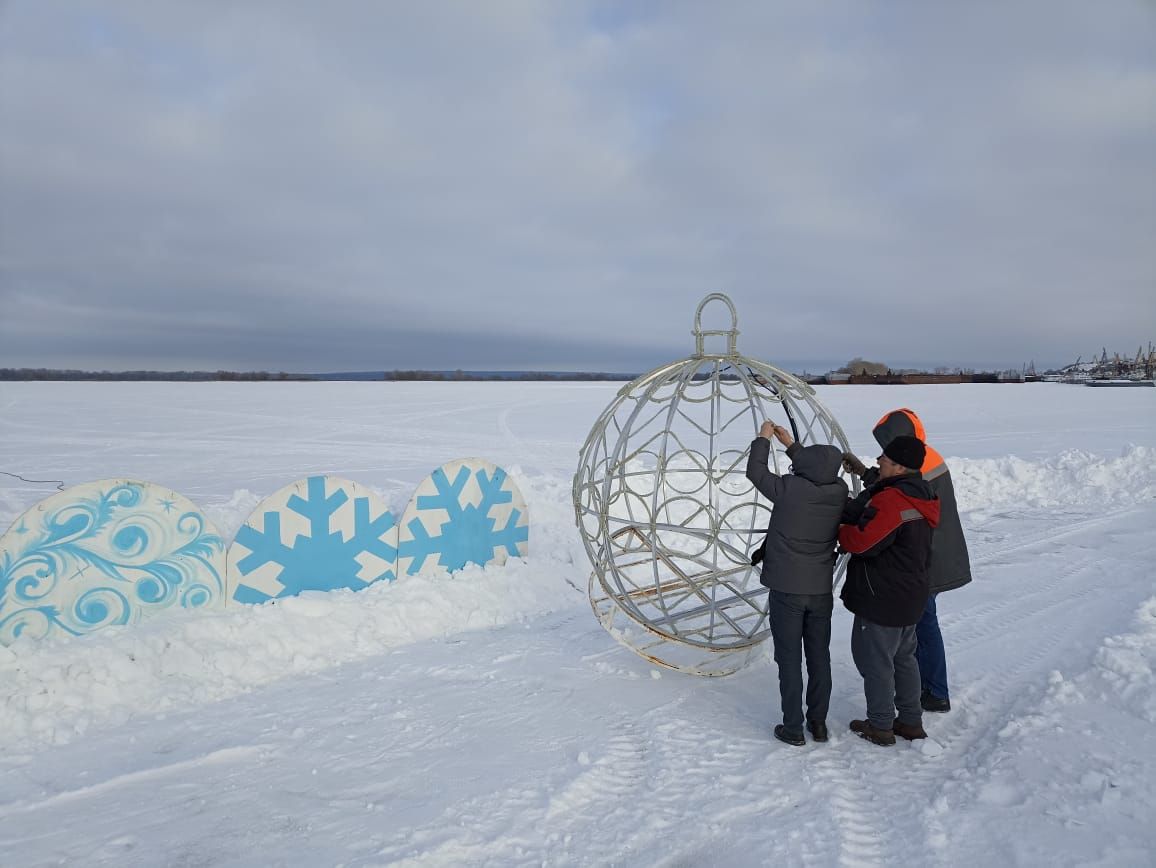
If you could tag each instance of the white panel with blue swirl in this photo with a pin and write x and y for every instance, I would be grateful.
(317, 534)
(106, 553)
(467, 511)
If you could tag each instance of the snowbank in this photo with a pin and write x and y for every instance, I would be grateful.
(1072, 478)
(53, 693)
(54, 690)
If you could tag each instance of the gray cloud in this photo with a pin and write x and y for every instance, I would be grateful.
(300, 187)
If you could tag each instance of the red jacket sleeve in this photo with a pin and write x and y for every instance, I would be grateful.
(876, 530)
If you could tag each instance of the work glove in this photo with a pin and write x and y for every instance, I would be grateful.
(852, 464)
(758, 554)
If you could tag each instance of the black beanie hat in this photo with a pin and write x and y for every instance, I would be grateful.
(908, 451)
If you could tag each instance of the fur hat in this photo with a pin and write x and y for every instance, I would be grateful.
(907, 451)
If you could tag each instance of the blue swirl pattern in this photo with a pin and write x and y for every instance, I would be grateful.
(106, 553)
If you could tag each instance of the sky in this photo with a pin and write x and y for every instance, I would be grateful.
(344, 186)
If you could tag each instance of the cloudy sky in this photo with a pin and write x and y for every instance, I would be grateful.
(364, 185)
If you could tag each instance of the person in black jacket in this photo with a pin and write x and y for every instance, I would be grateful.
(888, 532)
(798, 559)
(950, 566)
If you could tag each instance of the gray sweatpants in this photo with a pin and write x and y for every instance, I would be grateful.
(885, 657)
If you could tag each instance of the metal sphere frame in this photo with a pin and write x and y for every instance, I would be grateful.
(666, 513)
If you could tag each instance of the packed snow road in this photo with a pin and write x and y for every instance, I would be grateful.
(490, 720)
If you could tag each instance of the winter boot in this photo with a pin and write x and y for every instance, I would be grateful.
(909, 731)
(884, 737)
(818, 730)
(790, 738)
(931, 702)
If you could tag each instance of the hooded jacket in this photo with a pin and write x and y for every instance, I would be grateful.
(888, 532)
(799, 549)
(950, 565)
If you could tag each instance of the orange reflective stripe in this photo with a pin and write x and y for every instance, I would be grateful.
(933, 464)
(934, 472)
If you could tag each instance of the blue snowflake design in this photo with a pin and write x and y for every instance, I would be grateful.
(469, 535)
(322, 560)
(105, 559)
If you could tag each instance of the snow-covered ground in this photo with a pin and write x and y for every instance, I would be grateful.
(489, 720)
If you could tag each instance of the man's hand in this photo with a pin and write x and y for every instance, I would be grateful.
(769, 429)
(852, 464)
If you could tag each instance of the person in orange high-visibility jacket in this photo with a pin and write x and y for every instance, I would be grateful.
(950, 565)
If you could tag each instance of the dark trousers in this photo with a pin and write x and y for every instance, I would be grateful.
(885, 657)
(929, 652)
(801, 625)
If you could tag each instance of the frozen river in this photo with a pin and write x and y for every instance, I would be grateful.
(489, 720)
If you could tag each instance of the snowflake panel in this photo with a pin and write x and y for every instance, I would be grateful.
(106, 553)
(317, 534)
(467, 511)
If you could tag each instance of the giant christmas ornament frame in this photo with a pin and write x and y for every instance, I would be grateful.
(664, 508)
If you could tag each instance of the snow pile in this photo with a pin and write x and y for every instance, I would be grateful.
(1073, 477)
(55, 689)
(1124, 666)
(229, 515)
(1120, 678)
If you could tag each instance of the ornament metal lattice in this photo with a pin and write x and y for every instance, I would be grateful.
(666, 513)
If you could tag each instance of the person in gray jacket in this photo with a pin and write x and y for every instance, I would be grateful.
(798, 561)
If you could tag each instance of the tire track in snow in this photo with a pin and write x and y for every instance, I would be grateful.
(617, 774)
(519, 824)
(878, 797)
(1064, 616)
(964, 628)
(694, 757)
(846, 832)
(707, 786)
(1049, 535)
(224, 756)
(971, 627)
(967, 733)
(855, 828)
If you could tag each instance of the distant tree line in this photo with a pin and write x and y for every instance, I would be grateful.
(856, 371)
(257, 376)
(184, 376)
(488, 376)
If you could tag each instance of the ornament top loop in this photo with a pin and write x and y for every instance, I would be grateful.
(731, 334)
